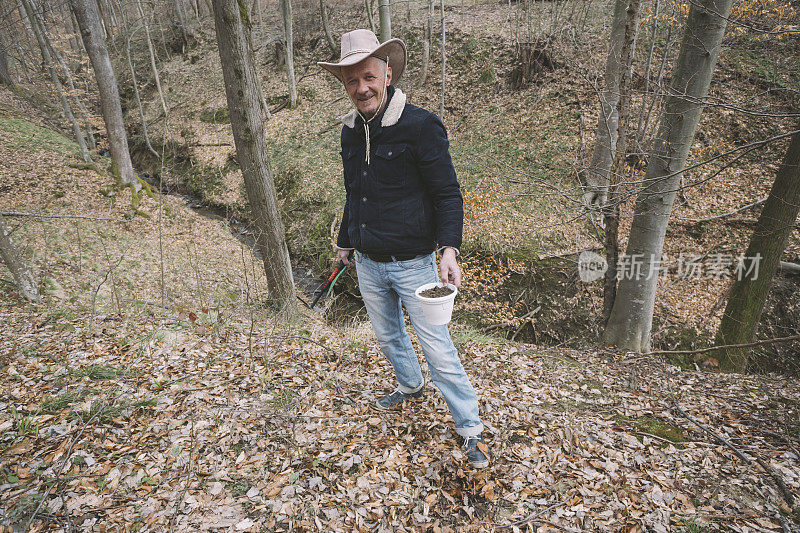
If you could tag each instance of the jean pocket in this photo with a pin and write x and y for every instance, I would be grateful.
(419, 262)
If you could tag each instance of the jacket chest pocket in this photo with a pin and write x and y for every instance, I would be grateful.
(389, 165)
(351, 166)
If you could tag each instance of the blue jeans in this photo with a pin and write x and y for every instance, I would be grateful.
(386, 287)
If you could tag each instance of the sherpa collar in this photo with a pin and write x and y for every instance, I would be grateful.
(390, 116)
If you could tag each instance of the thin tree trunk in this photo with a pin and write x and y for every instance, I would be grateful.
(611, 208)
(370, 18)
(136, 93)
(23, 276)
(631, 320)
(326, 26)
(183, 27)
(89, 22)
(763, 255)
(286, 12)
(67, 73)
(598, 175)
(642, 131)
(5, 76)
(44, 46)
(647, 72)
(444, 61)
(385, 16)
(251, 148)
(426, 45)
(152, 53)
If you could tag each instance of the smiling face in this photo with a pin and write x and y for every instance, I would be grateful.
(364, 84)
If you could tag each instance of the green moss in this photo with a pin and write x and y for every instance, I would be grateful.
(26, 136)
(220, 115)
(653, 426)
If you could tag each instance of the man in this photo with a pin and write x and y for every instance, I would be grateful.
(403, 200)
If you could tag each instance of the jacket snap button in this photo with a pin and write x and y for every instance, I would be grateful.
(364, 173)
(364, 199)
(363, 225)
(390, 153)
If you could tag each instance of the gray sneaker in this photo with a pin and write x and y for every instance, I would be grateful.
(477, 457)
(396, 398)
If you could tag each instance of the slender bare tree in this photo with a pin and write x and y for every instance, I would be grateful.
(598, 173)
(631, 320)
(47, 57)
(326, 26)
(370, 18)
(23, 276)
(426, 45)
(89, 23)
(761, 260)
(5, 76)
(385, 17)
(241, 89)
(288, 38)
(611, 209)
(152, 54)
(444, 61)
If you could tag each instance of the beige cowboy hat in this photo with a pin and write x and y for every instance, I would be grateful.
(358, 45)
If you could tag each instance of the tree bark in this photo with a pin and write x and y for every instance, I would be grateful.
(326, 26)
(444, 61)
(631, 320)
(611, 209)
(426, 45)
(152, 54)
(286, 12)
(5, 76)
(41, 37)
(241, 89)
(89, 23)
(385, 17)
(598, 175)
(772, 231)
(23, 276)
(370, 18)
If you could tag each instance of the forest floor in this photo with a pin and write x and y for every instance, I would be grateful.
(518, 152)
(151, 390)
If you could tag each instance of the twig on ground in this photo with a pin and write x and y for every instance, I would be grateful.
(532, 517)
(47, 215)
(725, 346)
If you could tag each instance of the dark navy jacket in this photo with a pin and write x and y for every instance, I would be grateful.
(406, 199)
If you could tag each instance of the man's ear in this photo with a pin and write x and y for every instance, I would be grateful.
(388, 75)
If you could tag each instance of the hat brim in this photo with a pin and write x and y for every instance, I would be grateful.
(395, 49)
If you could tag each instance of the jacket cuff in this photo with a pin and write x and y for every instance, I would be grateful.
(440, 250)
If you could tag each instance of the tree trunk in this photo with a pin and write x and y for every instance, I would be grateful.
(152, 53)
(772, 231)
(326, 26)
(286, 12)
(44, 46)
(5, 76)
(426, 45)
(444, 60)
(631, 320)
(598, 175)
(370, 18)
(182, 25)
(611, 209)
(136, 93)
(23, 277)
(89, 22)
(385, 17)
(232, 25)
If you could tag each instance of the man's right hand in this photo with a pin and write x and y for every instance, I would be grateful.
(344, 256)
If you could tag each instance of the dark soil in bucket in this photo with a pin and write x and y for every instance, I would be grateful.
(436, 292)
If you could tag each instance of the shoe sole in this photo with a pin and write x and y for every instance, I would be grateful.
(396, 406)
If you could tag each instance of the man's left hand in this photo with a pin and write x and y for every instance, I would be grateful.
(449, 271)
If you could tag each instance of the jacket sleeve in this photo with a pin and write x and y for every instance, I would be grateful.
(343, 239)
(439, 178)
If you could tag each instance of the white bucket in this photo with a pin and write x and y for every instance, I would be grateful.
(437, 311)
